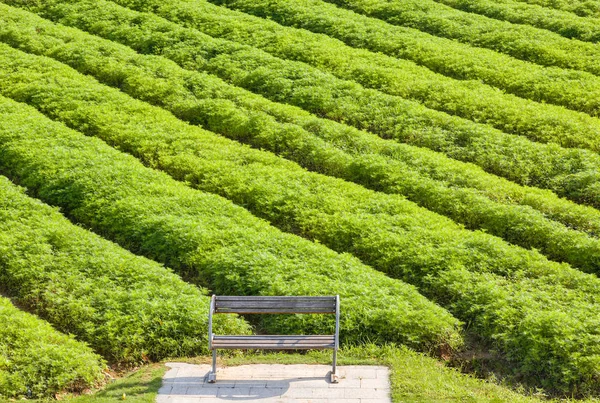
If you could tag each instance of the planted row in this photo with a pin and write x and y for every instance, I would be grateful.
(519, 41)
(576, 90)
(468, 99)
(584, 8)
(204, 237)
(38, 361)
(517, 12)
(238, 114)
(569, 172)
(508, 295)
(128, 309)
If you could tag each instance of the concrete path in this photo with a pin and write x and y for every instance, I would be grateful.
(186, 383)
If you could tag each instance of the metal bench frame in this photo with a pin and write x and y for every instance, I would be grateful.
(274, 305)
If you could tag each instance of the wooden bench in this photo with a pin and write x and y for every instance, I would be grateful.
(274, 305)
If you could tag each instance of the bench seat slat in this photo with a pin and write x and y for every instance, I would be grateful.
(273, 310)
(271, 298)
(276, 337)
(290, 304)
(274, 342)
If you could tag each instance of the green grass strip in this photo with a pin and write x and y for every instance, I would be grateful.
(215, 105)
(36, 360)
(571, 173)
(128, 309)
(507, 295)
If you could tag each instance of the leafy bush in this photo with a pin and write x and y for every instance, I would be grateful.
(584, 8)
(238, 114)
(468, 99)
(517, 12)
(203, 236)
(572, 173)
(574, 89)
(127, 308)
(519, 41)
(506, 294)
(38, 361)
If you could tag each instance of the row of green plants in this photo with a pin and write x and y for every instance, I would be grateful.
(217, 106)
(507, 295)
(583, 8)
(293, 133)
(205, 238)
(127, 308)
(516, 12)
(471, 99)
(572, 173)
(468, 99)
(35, 359)
(519, 41)
(573, 89)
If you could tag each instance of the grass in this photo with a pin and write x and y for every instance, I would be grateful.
(414, 377)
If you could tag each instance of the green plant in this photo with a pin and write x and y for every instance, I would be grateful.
(202, 236)
(36, 360)
(571, 173)
(127, 308)
(238, 114)
(519, 41)
(507, 295)
(519, 12)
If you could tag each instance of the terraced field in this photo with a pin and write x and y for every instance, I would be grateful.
(435, 163)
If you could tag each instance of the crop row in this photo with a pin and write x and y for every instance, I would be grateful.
(217, 106)
(583, 8)
(516, 12)
(127, 308)
(37, 360)
(508, 295)
(576, 90)
(468, 99)
(519, 41)
(572, 173)
(207, 239)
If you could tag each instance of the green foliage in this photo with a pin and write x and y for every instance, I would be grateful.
(572, 173)
(127, 308)
(519, 41)
(201, 235)
(576, 90)
(469, 99)
(508, 295)
(583, 8)
(36, 360)
(517, 12)
(238, 114)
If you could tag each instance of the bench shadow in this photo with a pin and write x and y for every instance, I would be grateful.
(233, 389)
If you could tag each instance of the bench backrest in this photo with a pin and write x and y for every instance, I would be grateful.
(260, 304)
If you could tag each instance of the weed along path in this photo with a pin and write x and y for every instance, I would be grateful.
(187, 383)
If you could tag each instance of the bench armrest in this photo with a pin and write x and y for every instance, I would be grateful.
(210, 318)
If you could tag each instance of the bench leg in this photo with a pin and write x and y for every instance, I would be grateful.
(334, 377)
(212, 376)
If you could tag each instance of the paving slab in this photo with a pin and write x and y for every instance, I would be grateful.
(275, 383)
